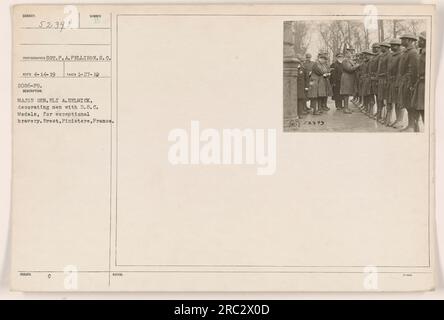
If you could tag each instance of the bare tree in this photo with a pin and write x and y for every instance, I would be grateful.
(301, 37)
(334, 36)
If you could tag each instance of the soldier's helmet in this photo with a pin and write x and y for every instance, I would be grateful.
(375, 45)
(422, 35)
(385, 44)
(395, 42)
(408, 36)
(308, 55)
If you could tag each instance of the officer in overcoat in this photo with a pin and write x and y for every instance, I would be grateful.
(308, 67)
(320, 88)
(408, 73)
(348, 80)
(302, 85)
(335, 80)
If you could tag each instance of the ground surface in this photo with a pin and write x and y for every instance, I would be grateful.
(337, 121)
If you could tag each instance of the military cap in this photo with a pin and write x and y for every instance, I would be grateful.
(408, 36)
(422, 35)
(308, 55)
(375, 45)
(323, 54)
(339, 55)
(395, 42)
(368, 52)
(385, 44)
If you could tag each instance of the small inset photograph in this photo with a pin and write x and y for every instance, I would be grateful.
(354, 76)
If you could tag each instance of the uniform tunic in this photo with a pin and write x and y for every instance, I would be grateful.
(319, 85)
(382, 75)
(308, 66)
(408, 75)
(302, 76)
(366, 82)
(393, 81)
(348, 78)
(335, 79)
(358, 81)
(373, 70)
(419, 94)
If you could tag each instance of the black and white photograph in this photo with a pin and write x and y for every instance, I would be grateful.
(364, 75)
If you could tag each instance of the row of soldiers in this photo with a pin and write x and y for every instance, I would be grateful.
(390, 82)
(386, 82)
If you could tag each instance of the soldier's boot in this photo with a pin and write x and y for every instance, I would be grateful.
(315, 107)
(412, 121)
(361, 103)
(346, 108)
(378, 113)
(301, 108)
(337, 104)
(324, 105)
(420, 123)
(310, 106)
(368, 106)
(385, 121)
(373, 110)
(405, 122)
(383, 114)
(398, 116)
(391, 116)
(295, 112)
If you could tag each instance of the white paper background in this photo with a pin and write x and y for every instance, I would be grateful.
(5, 163)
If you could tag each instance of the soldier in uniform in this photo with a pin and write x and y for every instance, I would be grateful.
(320, 88)
(348, 80)
(351, 53)
(308, 67)
(373, 70)
(302, 86)
(358, 97)
(366, 82)
(419, 92)
(382, 80)
(408, 75)
(393, 81)
(335, 80)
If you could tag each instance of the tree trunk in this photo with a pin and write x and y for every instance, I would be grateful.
(381, 30)
(366, 41)
(394, 28)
